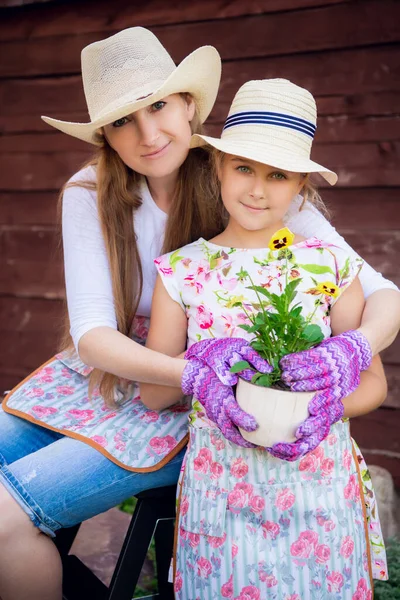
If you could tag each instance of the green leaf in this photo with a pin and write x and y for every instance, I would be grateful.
(214, 259)
(260, 290)
(248, 328)
(296, 311)
(240, 366)
(260, 319)
(317, 269)
(174, 258)
(313, 334)
(242, 274)
(345, 271)
(264, 381)
(255, 377)
(262, 263)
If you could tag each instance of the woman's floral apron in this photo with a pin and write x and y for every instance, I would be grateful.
(252, 527)
(134, 437)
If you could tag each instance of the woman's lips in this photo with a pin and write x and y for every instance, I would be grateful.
(157, 153)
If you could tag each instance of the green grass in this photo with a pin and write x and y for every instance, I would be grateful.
(390, 590)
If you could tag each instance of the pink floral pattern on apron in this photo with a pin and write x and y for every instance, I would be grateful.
(132, 435)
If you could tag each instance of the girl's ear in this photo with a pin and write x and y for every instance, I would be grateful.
(303, 182)
(303, 189)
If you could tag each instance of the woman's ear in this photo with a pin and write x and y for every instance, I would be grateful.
(191, 107)
(218, 160)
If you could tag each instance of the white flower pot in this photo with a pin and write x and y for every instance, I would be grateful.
(278, 412)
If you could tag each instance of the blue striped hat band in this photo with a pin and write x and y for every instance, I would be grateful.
(271, 118)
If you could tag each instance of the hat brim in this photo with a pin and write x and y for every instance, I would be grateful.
(266, 154)
(198, 74)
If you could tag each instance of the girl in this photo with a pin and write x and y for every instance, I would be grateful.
(251, 525)
(142, 193)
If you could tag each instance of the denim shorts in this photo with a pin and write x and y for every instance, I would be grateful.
(59, 481)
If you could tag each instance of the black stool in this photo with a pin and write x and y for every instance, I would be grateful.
(154, 514)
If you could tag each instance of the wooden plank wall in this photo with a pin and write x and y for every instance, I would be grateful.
(345, 52)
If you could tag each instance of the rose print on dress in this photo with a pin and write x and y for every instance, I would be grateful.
(178, 582)
(285, 499)
(363, 591)
(204, 567)
(335, 582)
(239, 468)
(346, 547)
(227, 589)
(250, 592)
(270, 530)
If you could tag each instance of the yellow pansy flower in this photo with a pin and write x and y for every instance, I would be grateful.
(281, 239)
(328, 289)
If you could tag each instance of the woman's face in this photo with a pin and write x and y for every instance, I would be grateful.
(154, 141)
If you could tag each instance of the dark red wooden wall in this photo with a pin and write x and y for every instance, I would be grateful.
(345, 52)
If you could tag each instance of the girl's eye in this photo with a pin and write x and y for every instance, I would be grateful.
(158, 105)
(120, 122)
(243, 169)
(278, 175)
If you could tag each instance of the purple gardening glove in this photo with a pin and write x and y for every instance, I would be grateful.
(325, 408)
(221, 354)
(333, 369)
(208, 378)
(336, 363)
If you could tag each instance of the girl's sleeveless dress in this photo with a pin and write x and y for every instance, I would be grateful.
(251, 526)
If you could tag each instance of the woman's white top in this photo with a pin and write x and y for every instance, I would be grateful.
(87, 271)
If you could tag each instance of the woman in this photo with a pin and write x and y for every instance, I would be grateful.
(64, 456)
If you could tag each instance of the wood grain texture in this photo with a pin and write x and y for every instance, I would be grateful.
(310, 30)
(105, 16)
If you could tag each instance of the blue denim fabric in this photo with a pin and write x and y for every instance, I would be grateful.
(59, 481)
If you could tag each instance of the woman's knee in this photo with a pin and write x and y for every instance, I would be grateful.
(13, 520)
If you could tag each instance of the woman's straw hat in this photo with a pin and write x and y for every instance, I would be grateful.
(271, 121)
(131, 70)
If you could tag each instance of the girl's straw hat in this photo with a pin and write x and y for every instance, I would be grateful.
(131, 70)
(271, 121)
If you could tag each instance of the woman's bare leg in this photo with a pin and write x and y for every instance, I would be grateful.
(30, 565)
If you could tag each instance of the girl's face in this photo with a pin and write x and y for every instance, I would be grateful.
(255, 195)
(154, 141)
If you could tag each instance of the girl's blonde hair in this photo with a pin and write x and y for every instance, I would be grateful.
(309, 191)
(194, 213)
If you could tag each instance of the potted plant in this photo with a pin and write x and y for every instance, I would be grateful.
(279, 328)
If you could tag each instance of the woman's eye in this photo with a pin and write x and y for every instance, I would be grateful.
(278, 175)
(243, 169)
(158, 105)
(120, 122)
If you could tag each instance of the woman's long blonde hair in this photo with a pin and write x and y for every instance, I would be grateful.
(194, 213)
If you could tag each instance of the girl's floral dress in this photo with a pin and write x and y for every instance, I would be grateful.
(136, 438)
(250, 526)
